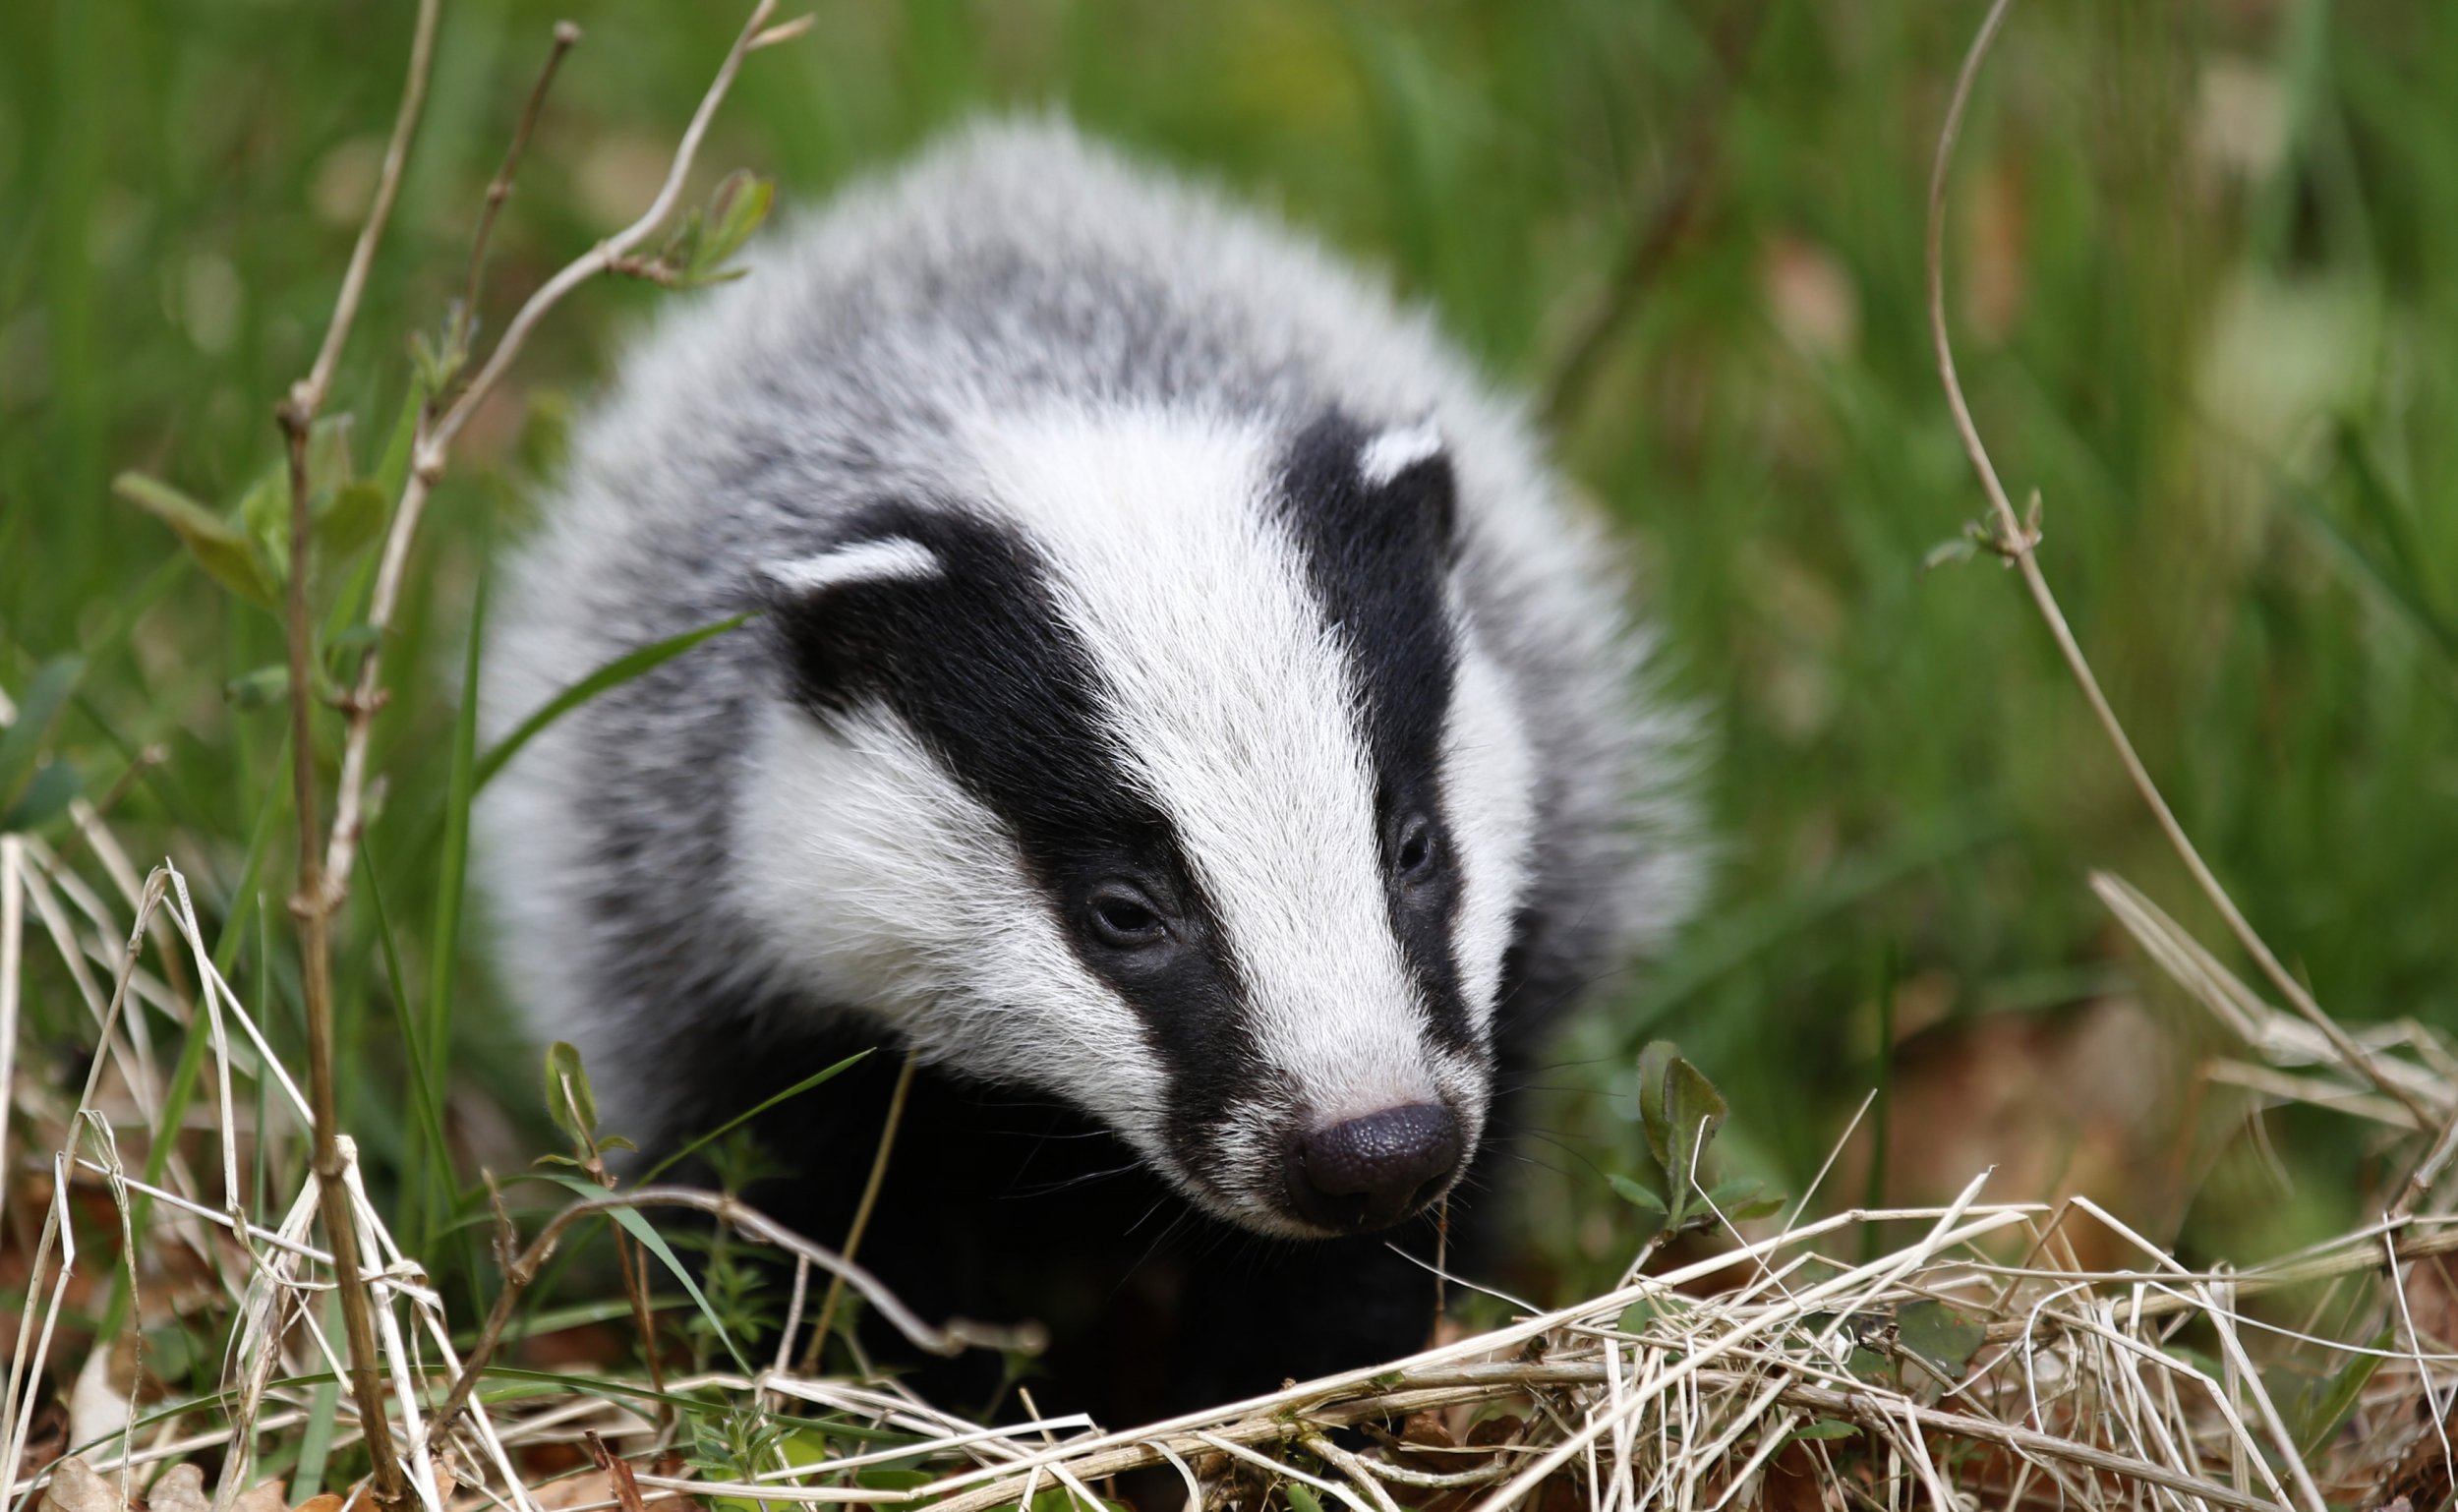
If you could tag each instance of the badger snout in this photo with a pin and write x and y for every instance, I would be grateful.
(1372, 1172)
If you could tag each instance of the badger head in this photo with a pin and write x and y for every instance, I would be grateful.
(1154, 762)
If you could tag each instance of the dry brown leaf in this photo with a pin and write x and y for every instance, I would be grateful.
(76, 1487)
(181, 1489)
(97, 1404)
(264, 1497)
(323, 1502)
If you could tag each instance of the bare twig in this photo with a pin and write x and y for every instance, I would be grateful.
(433, 443)
(861, 1211)
(311, 905)
(464, 319)
(307, 398)
(2017, 539)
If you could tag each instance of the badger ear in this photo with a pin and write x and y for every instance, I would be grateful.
(886, 559)
(1409, 468)
(833, 627)
(1389, 452)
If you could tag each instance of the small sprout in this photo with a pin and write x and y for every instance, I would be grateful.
(569, 1101)
(734, 212)
(1954, 550)
(438, 362)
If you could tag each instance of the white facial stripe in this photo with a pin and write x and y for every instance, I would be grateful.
(890, 888)
(1233, 700)
(1489, 778)
(1396, 451)
(867, 562)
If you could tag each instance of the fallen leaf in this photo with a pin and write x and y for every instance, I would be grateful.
(98, 1405)
(75, 1488)
(181, 1489)
(265, 1498)
(323, 1502)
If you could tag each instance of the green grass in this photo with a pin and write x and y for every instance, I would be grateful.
(2233, 375)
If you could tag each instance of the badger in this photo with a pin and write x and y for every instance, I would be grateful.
(1182, 710)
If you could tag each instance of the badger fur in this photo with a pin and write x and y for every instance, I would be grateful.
(1185, 710)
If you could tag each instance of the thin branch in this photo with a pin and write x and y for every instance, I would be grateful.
(955, 1336)
(311, 905)
(596, 259)
(2017, 541)
(433, 446)
(308, 396)
(861, 1211)
(464, 319)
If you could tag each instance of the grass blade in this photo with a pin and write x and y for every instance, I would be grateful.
(741, 1118)
(613, 674)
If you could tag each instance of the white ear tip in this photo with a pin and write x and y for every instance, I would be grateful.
(893, 559)
(1396, 451)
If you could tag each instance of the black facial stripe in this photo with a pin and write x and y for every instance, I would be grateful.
(1378, 558)
(980, 663)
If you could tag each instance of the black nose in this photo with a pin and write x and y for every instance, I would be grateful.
(1371, 1172)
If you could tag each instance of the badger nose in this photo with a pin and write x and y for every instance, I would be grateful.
(1371, 1172)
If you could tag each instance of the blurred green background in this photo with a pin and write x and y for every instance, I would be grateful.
(2205, 279)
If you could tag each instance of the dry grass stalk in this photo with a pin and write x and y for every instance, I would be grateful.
(2149, 1386)
(1776, 1373)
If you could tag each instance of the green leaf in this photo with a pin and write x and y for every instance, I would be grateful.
(2320, 1414)
(1694, 1110)
(44, 800)
(614, 674)
(352, 517)
(259, 689)
(734, 212)
(1301, 1497)
(1823, 1431)
(569, 1101)
(1655, 1064)
(316, 1437)
(639, 1228)
(1636, 1194)
(39, 705)
(1941, 1337)
(740, 1119)
(1744, 1197)
(217, 546)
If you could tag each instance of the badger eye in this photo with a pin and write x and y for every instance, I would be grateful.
(1122, 920)
(1414, 856)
